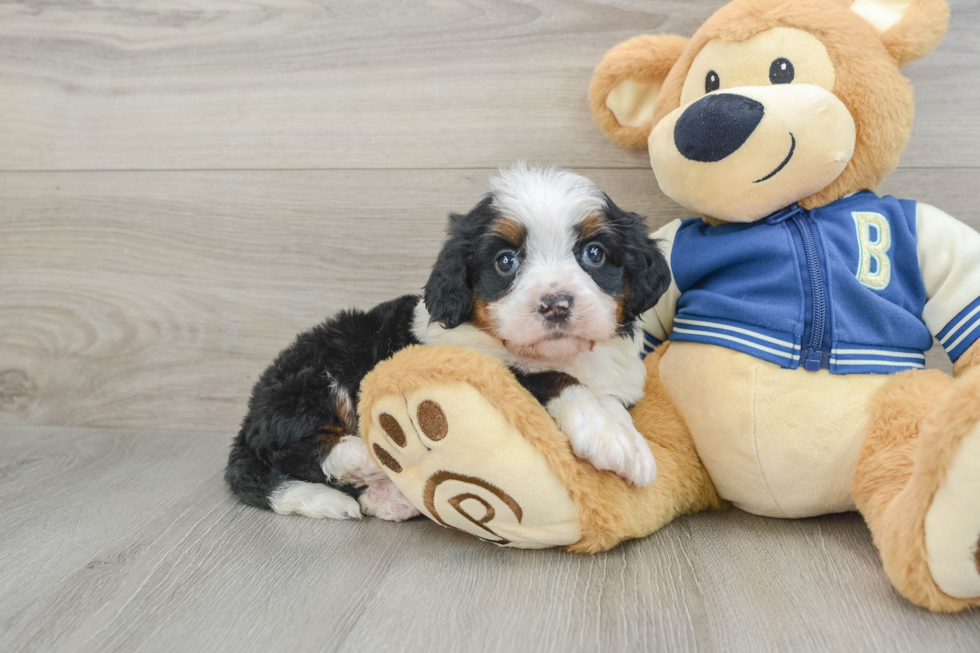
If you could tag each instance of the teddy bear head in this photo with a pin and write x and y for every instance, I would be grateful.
(771, 102)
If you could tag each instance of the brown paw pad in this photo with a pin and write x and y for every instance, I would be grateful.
(387, 459)
(393, 429)
(432, 420)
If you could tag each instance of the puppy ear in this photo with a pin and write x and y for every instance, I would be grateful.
(645, 270)
(626, 84)
(910, 29)
(448, 294)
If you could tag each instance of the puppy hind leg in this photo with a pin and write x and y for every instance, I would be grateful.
(292, 497)
(348, 462)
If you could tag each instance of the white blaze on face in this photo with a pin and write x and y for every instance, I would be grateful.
(550, 204)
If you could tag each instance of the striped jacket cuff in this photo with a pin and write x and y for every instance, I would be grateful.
(780, 348)
(962, 331)
(649, 343)
(867, 359)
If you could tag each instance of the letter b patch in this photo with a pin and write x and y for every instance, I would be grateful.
(874, 240)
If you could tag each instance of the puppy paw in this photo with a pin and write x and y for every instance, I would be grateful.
(349, 463)
(384, 500)
(601, 431)
(313, 500)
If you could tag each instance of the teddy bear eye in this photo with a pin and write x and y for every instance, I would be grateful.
(781, 71)
(711, 82)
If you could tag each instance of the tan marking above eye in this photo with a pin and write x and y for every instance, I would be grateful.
(393, 429)
(510, 230)
(432, 420)
(747, 63)
(591, 226)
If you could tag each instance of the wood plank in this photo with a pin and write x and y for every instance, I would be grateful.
(128, 540)
(155, 299)
(377, 84)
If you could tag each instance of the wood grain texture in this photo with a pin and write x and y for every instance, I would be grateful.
(129, 541)
(155, 300)
(198, 84)
(184, 185)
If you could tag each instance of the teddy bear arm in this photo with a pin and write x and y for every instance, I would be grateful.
(949, 262)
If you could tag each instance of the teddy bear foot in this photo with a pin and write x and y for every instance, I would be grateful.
(458, 460)
(952, 523)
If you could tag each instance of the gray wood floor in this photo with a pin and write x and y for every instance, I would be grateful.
(185, 185)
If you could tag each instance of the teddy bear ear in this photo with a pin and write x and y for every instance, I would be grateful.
(626, 83)
(910, 29)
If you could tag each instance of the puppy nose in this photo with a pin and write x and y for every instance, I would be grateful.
(716, 126)
(554, 308)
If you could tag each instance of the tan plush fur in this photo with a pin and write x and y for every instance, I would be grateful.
(641, 59)
(868, 82)
(919, 32)
(969, 360)
(917, 422)
(610, 509)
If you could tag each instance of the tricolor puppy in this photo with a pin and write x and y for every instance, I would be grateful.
(545, 274)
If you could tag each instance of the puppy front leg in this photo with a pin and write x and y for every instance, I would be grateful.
(349, 462)
(599, 429)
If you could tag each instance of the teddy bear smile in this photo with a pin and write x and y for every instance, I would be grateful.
(792, 148)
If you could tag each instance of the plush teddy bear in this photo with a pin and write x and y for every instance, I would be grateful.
(801, 307)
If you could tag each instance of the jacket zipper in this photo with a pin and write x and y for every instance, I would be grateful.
(818, 318)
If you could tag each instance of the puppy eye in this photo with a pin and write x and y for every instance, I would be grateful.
(506, 262)
(711, 82)
(781, 71)
(593, 255)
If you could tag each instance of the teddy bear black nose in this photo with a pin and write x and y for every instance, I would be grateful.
(716, 126)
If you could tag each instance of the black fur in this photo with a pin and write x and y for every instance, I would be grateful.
(293, 401)
(449, 294)
(489, 284)
(646, 274)
(545, 386)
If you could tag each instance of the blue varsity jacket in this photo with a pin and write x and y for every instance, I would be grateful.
(839, 287)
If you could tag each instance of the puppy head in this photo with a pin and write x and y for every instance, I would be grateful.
(547, 264)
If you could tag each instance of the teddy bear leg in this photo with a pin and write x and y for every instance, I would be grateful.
(917, 484)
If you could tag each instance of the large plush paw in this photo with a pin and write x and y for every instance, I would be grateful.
(462, 464)
(952, 524)
(601, 431)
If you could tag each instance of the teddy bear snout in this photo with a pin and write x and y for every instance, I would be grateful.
(717, 125)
